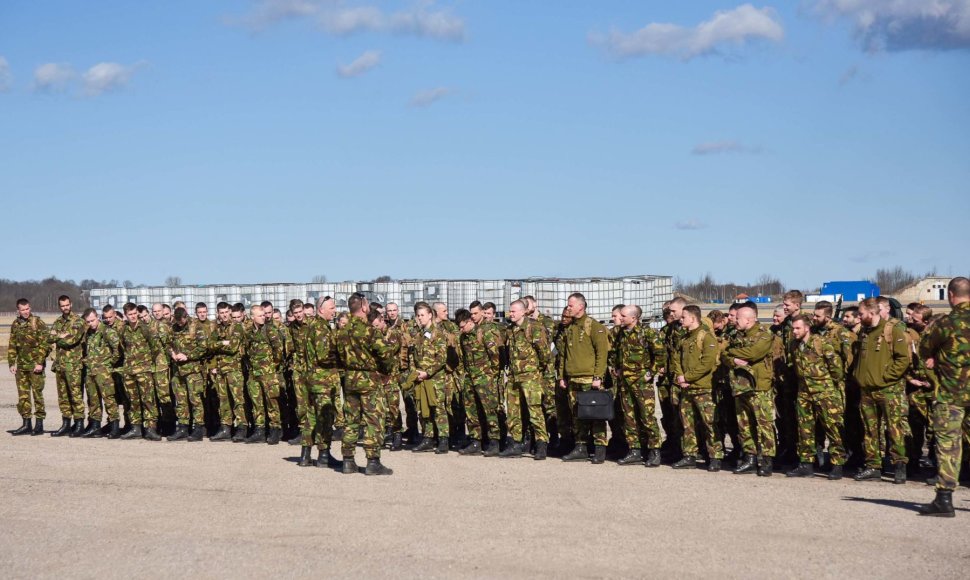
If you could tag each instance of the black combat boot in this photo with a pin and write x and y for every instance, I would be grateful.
(653, 458)
(133, 433)
(803, 470)
(940, 507)
(542, 450)
(427, 444)
(93, 430)
(349, 467)
(599, 454)
(114, 430)
(65, 428)
(274, 436)
(38, 427)
(634, 457)
(78, 429)
(899, 477)
(151, 434)
(296, 440)
(324, 459)
(223, 434)
(492, 449)
(748, 465)
(240, 435)
(714, 465)
(836, 473)
(24, 429)
(526, 443)
(577, 454)
(686, 462)
(375, 467)
(258, 436)
(306, 460)
(442, 446)
(869, 474)
(514, 449)
(397, 442)
(473, 448)
(198, 432)
(766, 466)
(181, 432)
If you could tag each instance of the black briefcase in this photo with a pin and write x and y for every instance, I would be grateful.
(594, 405)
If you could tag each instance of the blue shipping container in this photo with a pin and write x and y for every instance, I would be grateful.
(850, 290)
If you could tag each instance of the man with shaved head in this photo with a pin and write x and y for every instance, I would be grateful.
(638, 354)
(671, 333)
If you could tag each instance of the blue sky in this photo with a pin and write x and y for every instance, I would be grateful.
(239, 141)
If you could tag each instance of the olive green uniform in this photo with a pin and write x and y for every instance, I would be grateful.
(586, 349)
(754, 402)
(696, 360)
(28, 348)
(67, 336)
(102, 350)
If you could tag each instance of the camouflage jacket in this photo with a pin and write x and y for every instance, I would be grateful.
(300, 334)
(754, 346)
(102, 348)
(227, 357)
(882, 363)
(191, 341)
(947, 342)
(818, 365)
(282, 356)
(136, 339)
(671, 334)
(529, 350)
(29, 344)
(430, 350)
(697, 359)
(68, 349)
(399, 334)
(917, 369)
(637, 352)
(454, 363)
(161, 342)
(481, 351)
(206, 327)
(322, 346)
(842, 341)
(585, 350)
(362, 350)
(263, 347)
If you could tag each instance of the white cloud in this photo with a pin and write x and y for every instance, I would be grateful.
(736, 26)
(107, 76)
(339, 18)
(360, 65)
(728, 146)
(897, 25)
(426, 98)
(6, 80)
(690, 225)
(53, 77)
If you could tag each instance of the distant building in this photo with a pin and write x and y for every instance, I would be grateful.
(849, 291)
(929, 289)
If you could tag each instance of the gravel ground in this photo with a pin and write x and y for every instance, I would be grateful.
(108, 509)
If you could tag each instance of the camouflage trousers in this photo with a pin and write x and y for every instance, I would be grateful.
(392, 405)
(163, 380)
(756, 427)
(921, 402)
(338, 417)
(264, 392)
(582, 429)
(950, 422)
(481, 404)
(30, 385)
(301, 396)
(363, 405)
(140, 388)
(69, 399)
(100, 387)
(524, 403)
(828, 408)
(786, 415)
(549, 407)
(429, 397)
(884, 409)
(230, 383)
(189, 389)
(669, 419)
(639, 407)
(322, 389)
(121, 396)
(697, 417)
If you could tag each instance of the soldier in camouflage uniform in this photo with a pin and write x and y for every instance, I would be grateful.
(854, 428)
(393, 422)
(529, 354)
(672, 333)
(209, 399)
(136, 340)
(786, 382)
(819, 369)
(400, 330)
(67, 335)
(263, 349)
(226, 345)
(751, 363)
(299, 330)
(921, 388)
(549, 408)
(323, 383)
(883, 360)
(563, 412)
(188, 350)
(480, 347)
(362, 351)
(637, 356)
(454, 403)
(430, 359)
(113, 319)
(945, 346)
(694, 365)
(27, 356)
(161, 331)
(102, 350)
(725, 414)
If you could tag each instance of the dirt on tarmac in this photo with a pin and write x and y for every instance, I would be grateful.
(83, 508)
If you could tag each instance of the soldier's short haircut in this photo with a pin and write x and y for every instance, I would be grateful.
(474, 304)
(959, 287)
(912, 305)
(528, 298)
(678, 300)
(521, 303)
(296, 303)
(88, 312)
(373, 315)
(238, 307)
(461, 315)
(376, 305)
(795, 296)
(166, 307)
(750, 304)
(924, 311)
(257, 308)
(356, 302)
(870, 304)
(322, 300)
(577, 296)
(200, 305)
(128, 307)
(489, 306)
(716, 315)
(806, 319)
(23, 302)
(422, 306)
(825, 306)
(733, 306)
(438, 304)
(307, 306)
(746, 307)
(107, 308)
(266, 304)
(277, 311)
(142, 308)
(882, 301)
(63, 298)
(618, 307)
(180, 313)
(665, 312)
(639, 312)
(778, 308)
(693, 310)
(179, 303)
(222, 305)
(850, 310)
